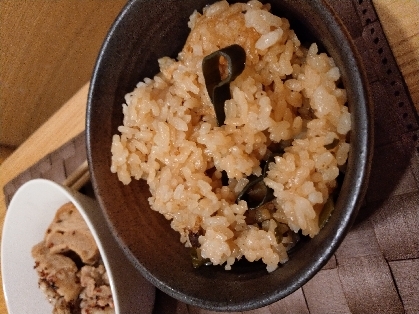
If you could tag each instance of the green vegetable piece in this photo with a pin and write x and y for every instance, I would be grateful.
(326, 212)
(218, 84)
(197, 259)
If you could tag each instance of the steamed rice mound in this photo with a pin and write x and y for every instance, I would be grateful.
(287, 94)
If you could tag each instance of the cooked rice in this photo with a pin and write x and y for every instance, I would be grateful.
(286, 94)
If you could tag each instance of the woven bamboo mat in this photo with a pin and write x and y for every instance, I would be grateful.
(376, 269)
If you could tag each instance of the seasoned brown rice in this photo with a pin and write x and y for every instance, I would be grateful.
(286, 94)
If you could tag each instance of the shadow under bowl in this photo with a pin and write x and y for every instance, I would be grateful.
(148, 30)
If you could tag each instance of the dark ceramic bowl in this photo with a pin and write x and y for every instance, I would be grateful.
(147, 30)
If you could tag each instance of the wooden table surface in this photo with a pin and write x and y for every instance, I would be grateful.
(400, 20)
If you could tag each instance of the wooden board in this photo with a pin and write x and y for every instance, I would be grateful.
(47, 53)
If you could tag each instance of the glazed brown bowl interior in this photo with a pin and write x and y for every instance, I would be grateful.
(148, 30)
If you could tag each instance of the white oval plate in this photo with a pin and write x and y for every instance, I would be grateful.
(29, 214)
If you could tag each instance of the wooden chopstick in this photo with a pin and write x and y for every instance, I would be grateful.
(78, 177)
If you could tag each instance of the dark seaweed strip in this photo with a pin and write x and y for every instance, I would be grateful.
(256, 192)
(218, 88)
